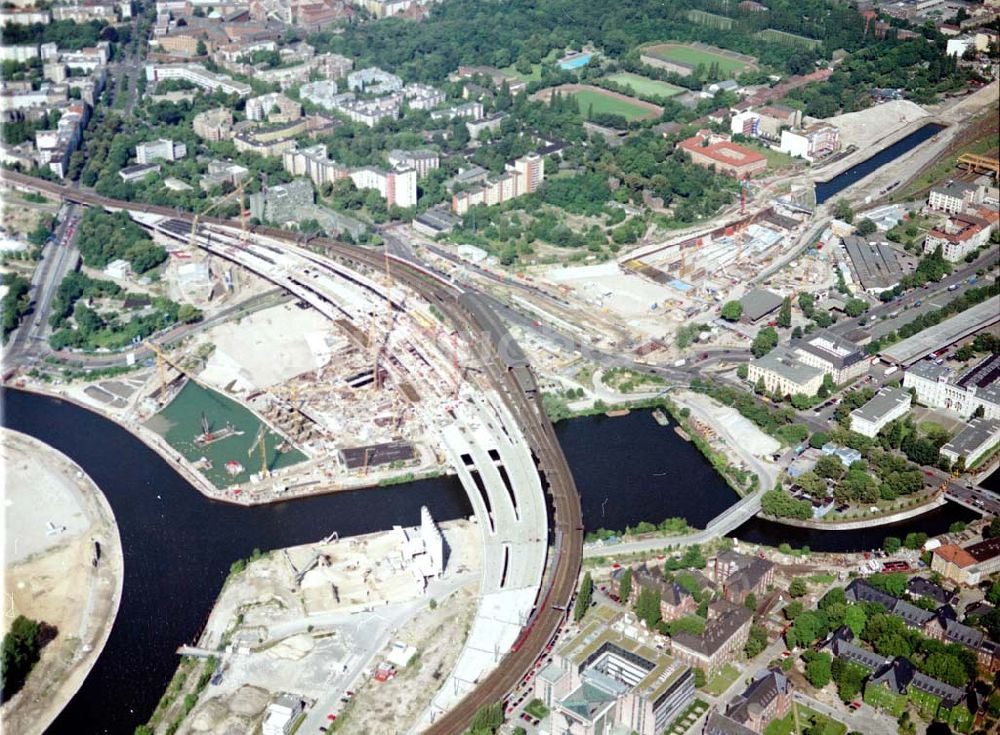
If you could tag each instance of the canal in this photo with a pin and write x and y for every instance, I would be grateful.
(827, 189)
(178, 545)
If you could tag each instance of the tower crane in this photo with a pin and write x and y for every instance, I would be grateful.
(260, 445)
(238, 191)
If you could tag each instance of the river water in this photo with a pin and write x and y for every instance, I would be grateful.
(827, 189)
(178, 545)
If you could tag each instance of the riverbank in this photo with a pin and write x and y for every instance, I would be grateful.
(298, 486)
(64, 566)
(882, 520)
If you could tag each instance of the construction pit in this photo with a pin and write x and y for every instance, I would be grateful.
(318, 619)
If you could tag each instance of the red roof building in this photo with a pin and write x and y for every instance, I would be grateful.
(727, 157)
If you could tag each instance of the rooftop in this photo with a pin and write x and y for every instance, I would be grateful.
(979, 432)
(830, 347)
(759, 303)
(884, 402)
(945, 333)
(784, 362)
(874, 262)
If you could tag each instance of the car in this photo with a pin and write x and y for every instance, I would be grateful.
(928, 473)
(785, 654)
(331, 717)
(855, 705)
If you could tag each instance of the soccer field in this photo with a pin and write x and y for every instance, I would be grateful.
(596, 103)
(694, 56)
(645, 87)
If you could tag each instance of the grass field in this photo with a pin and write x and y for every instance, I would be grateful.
(788, 39)
(723, 680)
(694, 56)
(809, 721)
(597, 103)
(645, 87)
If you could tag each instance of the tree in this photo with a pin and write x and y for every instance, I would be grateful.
(732, 311)
(22, 646)
(817, 440)
(750, 603)
(742, 371)
(785, 313)
(855, 307)
(201, 49)
(842, 211)
(625, 585)
(756, 641)
(765, 341)
(891, 544)
(793, 609)
(699, 677)
(866, 227)
(798, 587)
(836, 596)
(993, 594)
(829, 466)
(855, 618)
(583, 597)
(647, 607)
(818, 670)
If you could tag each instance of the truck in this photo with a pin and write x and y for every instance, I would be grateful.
(680, 363)
(891, 369)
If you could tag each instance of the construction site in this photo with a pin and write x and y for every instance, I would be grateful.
(353, 614)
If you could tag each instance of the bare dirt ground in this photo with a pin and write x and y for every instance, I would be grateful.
(437, 634)
(49, 573)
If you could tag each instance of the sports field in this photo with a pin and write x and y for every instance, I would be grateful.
(595, 101)
(645, 87)
(729, 62)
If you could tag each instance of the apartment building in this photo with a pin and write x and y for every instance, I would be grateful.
(423, 161)
(958, 236)
(523, 177)
(398, 187)
(214, 125)
(160, 150)
(954, 197)
(274, 107)
(199, 76)
(811, 143)
(740, 575)
(313, 162)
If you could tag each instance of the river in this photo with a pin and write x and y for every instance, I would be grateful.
(828, 189)
(178, 545)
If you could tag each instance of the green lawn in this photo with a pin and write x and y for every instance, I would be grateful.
(695, 56)
(597, 103)
(645, 87)
(722, 681)
(808, 719)
(687, 718)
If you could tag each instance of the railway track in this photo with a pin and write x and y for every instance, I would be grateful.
(522, 400)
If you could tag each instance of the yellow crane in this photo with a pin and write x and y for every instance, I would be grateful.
(260, 444)
(192, 240)
(161, 368)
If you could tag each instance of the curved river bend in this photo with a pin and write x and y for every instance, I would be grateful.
(178, 545)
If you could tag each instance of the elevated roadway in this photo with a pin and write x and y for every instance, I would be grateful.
(516, 390)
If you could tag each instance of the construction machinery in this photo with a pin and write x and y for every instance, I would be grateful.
(238, 191)
(260, 444)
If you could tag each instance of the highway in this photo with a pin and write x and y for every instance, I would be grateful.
(524, 404)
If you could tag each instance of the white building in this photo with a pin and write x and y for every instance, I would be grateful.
(524, 177)
(842, 359)
(398, 187)
(954, 197)
(975, 440)
(811, 143)
(422, 548)
(315, 163)
(197, 75)
(887, 405)
(162, 150)
(423, 96)
(937, 386)
(783, 373)
(373, 81)
(423, 161)
(274, 107)
(282, 714)
(958, 236)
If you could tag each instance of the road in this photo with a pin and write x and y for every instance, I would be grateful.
(59, 257)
